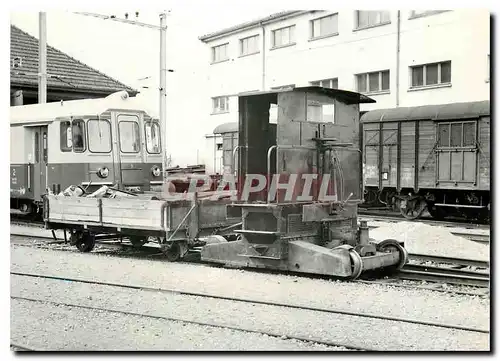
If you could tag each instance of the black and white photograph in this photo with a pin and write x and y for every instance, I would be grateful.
(230, 176)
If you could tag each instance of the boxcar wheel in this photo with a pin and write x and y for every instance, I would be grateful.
(85, 242)
(412, 209)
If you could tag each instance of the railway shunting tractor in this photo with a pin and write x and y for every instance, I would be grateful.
(299, 186)
(292, 204)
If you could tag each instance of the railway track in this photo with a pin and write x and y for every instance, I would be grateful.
(124, 250)
(419, 272)
(248, 301)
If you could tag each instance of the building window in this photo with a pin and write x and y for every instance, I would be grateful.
(327, 25)
(457, 135)
(249, 45)
(220, 105)
(128, 128)
(431, 74)
(374, 82)
(99, 134)
(422, 13)
(219, 53)
(365, 19)
(327, 83)
(284, 36)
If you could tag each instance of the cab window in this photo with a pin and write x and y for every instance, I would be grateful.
(152, 137)
(128, 127)
(99, 135)
(72, 136)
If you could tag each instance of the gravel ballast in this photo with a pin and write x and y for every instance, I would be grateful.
(344, 329)
(379, 299)
(47, 327)
(431, 240)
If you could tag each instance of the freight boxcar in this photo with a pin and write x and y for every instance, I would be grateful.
(434, 157)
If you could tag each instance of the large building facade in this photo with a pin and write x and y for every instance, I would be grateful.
(399, 58)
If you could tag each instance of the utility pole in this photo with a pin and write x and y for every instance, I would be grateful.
(42, 58)
(163, 70)
(163, 89)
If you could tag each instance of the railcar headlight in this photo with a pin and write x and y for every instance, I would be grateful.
(156, 171)
(103, 172)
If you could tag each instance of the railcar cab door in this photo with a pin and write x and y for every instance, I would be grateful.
(37, 179)
(153, 151)
(128, 151)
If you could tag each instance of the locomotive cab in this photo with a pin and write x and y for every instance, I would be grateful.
(299, 185)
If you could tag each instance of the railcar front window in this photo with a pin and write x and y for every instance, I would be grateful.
(129, 135)
(99, 135)
(152, 137)
(78, 131)
(66, 137)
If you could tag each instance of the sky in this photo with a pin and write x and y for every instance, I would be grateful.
(130, 53)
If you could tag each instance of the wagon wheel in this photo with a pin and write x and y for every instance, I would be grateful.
(412, 209)
(392, 245)
(137, 241)
(172, 251)
(85, 241)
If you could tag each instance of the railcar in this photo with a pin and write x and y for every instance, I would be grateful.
(434, 157)
(88, 143)
(306, 227)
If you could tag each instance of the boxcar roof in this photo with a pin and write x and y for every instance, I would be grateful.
(226, 128)
(432, 112)
(47, 112)
(344, 96)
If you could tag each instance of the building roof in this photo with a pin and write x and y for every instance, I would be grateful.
(48, 112)
(466, 110)
(67, 73)
(345, 96)
(252, 24)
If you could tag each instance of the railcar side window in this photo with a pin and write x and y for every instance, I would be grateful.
(99, 135)
(78, 131)
(66, 137)
(129, 134)
(152, 137)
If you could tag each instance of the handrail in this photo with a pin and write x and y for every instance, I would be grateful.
(269, 152)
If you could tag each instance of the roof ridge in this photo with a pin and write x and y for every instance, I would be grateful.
(76, 60)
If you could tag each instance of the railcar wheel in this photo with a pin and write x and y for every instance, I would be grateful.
(172, 251)
(137, 241)
(392, 245)
(357, 264)
(412, 209)
(85, 242)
